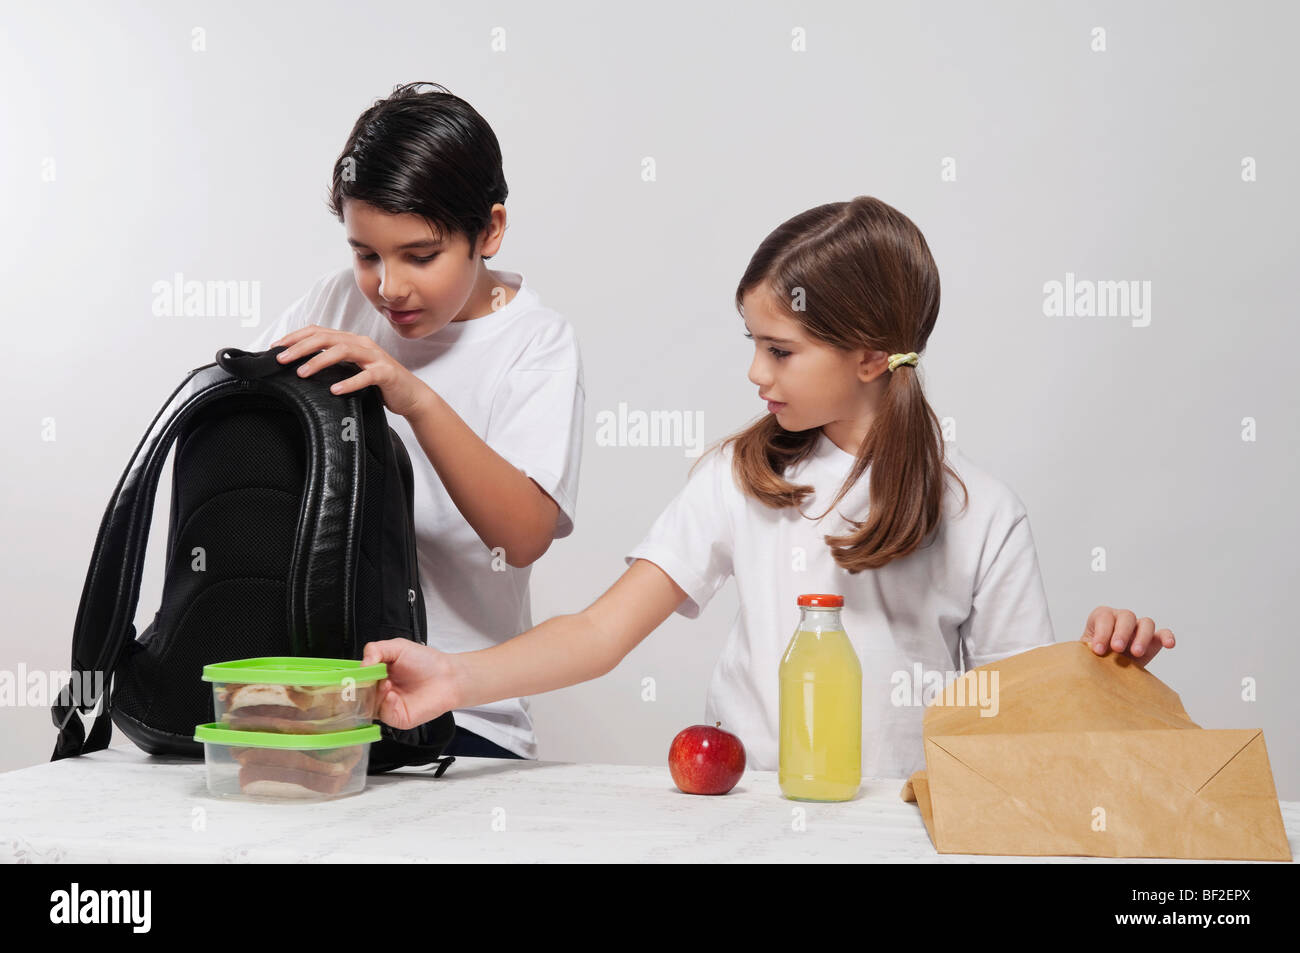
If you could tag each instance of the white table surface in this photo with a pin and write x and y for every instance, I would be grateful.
(122, 805)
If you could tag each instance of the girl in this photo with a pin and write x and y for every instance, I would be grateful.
(842, 487)
(483, 382)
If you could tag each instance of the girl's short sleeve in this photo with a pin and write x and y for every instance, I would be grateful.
(693, 540)
(1009, 610)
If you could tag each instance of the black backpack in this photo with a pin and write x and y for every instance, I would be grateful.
(292, 534)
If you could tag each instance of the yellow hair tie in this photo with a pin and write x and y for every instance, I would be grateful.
(898, 360)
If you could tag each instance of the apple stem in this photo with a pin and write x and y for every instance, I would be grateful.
(717, 724)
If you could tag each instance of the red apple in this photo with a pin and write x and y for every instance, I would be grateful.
(704, 759)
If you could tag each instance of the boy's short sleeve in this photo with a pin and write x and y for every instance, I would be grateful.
(289, 320)
(317, 305)
(536, 417)
(1009, 611)
(693, 539)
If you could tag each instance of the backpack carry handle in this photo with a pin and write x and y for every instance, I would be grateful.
(250, 365)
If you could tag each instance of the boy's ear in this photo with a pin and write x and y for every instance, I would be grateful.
(490, 240)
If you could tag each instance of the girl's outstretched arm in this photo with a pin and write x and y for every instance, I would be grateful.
(423, 682)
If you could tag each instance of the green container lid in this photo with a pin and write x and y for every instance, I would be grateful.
(216, 733)
(294, 671)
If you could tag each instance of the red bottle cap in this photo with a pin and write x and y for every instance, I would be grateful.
(821, 600)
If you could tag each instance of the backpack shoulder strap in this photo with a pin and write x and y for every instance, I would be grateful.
(112, 586)
(323, 569)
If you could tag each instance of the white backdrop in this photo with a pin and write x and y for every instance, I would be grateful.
(1108, 142)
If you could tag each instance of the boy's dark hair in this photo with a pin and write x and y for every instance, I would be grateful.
(424, 152)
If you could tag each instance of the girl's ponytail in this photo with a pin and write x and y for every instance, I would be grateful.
(905, 451)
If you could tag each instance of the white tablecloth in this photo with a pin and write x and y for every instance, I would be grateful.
(122, 805)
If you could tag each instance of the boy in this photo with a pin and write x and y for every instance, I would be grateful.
(477, 375)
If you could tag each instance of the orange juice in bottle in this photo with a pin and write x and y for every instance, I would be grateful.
(821, 706)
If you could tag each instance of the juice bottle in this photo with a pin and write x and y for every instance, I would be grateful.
(821, 706)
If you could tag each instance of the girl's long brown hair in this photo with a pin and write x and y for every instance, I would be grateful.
(868, 281)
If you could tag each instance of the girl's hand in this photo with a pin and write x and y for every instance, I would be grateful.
(1123, 631)
(403, 392)
(419, 686)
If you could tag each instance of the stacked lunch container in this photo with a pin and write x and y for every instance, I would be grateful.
(294, 729)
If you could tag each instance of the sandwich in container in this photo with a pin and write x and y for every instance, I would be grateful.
(294, 695)
(262, 765)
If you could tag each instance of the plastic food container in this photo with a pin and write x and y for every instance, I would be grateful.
(264, 766)
(298, 696)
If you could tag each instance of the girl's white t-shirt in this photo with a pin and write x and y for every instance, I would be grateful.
(515, 377)
(971, 596)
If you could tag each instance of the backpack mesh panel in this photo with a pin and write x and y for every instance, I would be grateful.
(237, 490)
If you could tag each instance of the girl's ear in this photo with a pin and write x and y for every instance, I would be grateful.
(871, 364)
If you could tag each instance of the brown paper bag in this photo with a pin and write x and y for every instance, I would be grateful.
(1084, 755)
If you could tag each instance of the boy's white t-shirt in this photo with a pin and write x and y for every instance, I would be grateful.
(515, 377)
(973, 595)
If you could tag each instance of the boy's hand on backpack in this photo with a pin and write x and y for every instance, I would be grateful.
(1123, 631)
(403, 392)
(419, 683)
